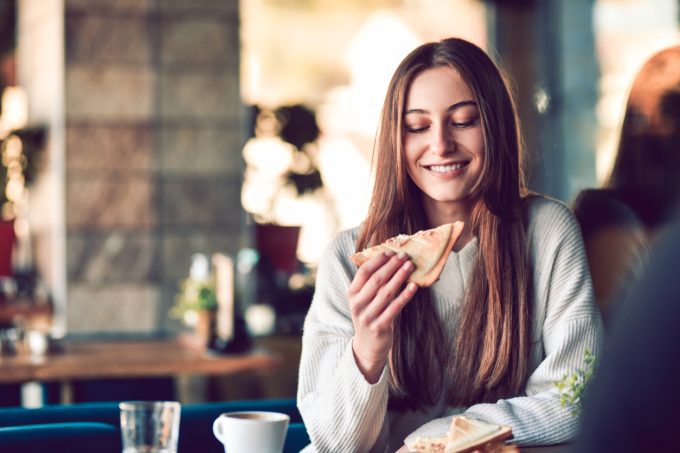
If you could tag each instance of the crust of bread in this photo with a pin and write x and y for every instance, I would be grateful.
(503, 434)
(430, 444)
(462, 427)
(456, 442)
(421, 277)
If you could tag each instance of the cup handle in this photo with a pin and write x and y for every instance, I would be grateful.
(216, 429)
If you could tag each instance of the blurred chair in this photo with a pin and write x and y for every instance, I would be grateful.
(195, 422)
(58, 413)
(80, 437)
(296, 439)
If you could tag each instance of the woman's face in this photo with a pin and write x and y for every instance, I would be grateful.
(443, 139)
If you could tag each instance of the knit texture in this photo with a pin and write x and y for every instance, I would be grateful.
(344, 413)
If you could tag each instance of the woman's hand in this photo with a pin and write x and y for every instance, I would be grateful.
(375, 299)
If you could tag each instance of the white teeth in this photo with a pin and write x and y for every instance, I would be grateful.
(446, 168)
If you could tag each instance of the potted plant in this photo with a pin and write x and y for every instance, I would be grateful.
(196, 302)
(281, 170)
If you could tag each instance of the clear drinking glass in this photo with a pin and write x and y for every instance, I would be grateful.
(149, 426)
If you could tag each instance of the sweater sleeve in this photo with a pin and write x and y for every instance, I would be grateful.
(341, 410)
(566, 324)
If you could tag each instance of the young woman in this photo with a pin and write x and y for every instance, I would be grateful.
(513, 310)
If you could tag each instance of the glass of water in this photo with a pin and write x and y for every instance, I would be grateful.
(149, 426)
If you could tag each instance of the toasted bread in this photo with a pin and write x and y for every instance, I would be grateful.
(427, 249)
(466, 435)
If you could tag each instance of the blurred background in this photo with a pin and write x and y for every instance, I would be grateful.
(140, 137)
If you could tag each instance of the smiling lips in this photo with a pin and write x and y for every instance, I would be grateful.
(449, 168)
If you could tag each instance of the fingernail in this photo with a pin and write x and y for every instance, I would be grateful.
(389, 253)
(407, 266)
(402, 255)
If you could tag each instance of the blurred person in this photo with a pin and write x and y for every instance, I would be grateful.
(632, 403)
(621, 220)
(513, 311)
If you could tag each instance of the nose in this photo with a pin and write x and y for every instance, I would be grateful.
(441, 142)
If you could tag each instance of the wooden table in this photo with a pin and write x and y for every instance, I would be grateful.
(127, 359)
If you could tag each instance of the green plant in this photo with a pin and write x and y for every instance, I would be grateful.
(572, 387)
(194, 296)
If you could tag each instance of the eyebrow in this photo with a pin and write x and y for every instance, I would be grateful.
(451, 108)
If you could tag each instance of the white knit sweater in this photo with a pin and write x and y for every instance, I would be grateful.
(344, 413)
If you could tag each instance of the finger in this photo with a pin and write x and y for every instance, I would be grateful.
(367, 269)
(382, 276)
(386, 318)
(376, 280)
(389, 291)
(358, 299)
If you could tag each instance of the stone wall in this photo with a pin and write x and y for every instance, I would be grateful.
(152, 153)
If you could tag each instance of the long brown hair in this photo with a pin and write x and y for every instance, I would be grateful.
(490, 357)
(646, 172)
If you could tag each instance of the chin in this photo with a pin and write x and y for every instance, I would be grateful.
(447, 198)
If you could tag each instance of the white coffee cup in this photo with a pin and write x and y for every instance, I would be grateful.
(250, 431)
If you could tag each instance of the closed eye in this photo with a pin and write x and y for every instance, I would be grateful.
(416, 130)
(465, 124)
(454, 124)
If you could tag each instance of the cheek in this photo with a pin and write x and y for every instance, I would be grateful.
(411, 164)
(481, 154)
(415, 145)
(477, 148)
(410, 152)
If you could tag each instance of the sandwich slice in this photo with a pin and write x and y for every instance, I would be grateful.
(427, 249)
(467, 435)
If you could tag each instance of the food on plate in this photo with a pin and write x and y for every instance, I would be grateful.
(468, 435)
(427, 249)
